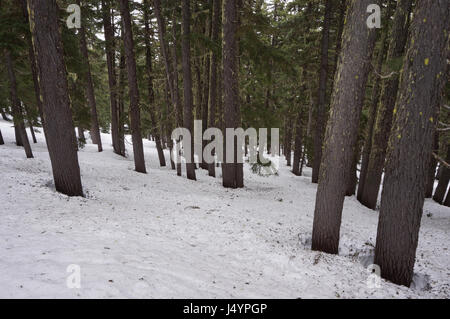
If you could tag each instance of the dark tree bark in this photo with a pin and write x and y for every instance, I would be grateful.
(81, 136)
(288, 138)
(441, 189)
(376, 92)
(2, 142)
(386, 108)
(30, 123)
(187, 82)
(297, 162)
(411, 140)
(206, 73)
(177, 98)
(151, 93)
(338, 46)
(170, 77)
(342, 129)
(230, 85)
(112, 78)
(432, 167)
(2, 111)
(215, 28)
(135, 116)
(121, 103)
(19, 125)
(321, 107)
(90, 94)
(61, 141)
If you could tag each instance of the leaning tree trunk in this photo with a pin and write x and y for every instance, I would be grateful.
(151, 93)
(215, 28)
(95, 130)
(187, 82)
(411, 140)
(16, 107)
(112, 78)
(376, 92)
(2, 142)
(386, 108)
(60, 134)
(441, 189)
(30, 123)
(135, 116)
(321, 107)
(342, 129)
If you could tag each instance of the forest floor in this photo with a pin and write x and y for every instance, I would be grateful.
(162, 236)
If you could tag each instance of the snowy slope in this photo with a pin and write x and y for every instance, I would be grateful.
(162, 236)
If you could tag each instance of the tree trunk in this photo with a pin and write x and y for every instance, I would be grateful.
(19, 125)
(411, 140)
(121, 103)
(342, 129)
(230, 85)
(112, 78)
(187, 82)
(177, 99)
(296, 165)
(135, 117)
(288, 151)
(206, 72)
(441, 189)
(95, 130)
(151, 93)
(58, 125)
(30, 124)
(321, 107)
(386, 109)
(2, 142)
(374, 103)
(338, 46)
(81, 136)
(215, 28)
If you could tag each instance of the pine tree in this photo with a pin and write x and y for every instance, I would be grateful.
(411, 140)
(135, 117)
(95, 129)
(112, 78)
(58, 123)
(187, 82)
(151, 93)
(342, 128)
(321, 107)
(385, 110)
(230, 86)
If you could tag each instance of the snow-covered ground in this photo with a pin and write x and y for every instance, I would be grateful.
(162, 236)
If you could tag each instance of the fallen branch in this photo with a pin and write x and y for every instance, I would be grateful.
(441, 160)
